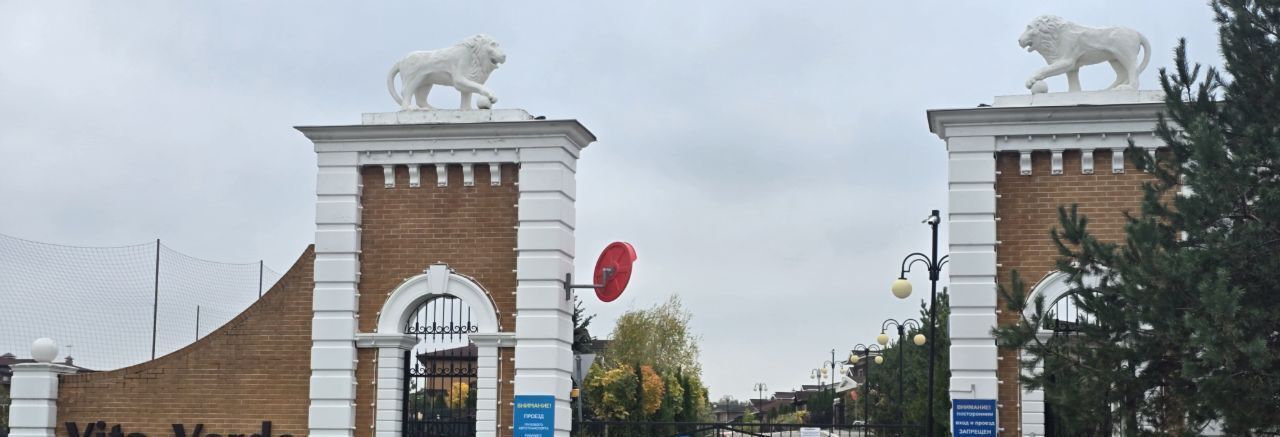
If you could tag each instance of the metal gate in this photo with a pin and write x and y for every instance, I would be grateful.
(440, 371)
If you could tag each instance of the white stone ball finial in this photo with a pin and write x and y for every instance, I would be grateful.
(44, 350)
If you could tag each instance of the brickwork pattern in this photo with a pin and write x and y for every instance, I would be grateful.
(406, 229)
(253, 369)
(1028, 209)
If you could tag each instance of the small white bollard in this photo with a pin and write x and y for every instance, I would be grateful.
(34, 392)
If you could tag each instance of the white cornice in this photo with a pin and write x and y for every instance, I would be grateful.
(491, 132)
(1045, 120)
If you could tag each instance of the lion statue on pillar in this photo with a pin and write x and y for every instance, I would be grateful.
(464, 66)
(1067, 46)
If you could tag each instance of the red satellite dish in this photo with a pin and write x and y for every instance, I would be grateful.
(613, 270)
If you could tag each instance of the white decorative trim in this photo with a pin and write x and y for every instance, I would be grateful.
(442, 175)
(335, 296)
(1024, 162)
(1117, 160)
(468, 175)
(34, 394)
(365, 340)
(389, 176)
(415, 176)
(495, 174)
(1055, 163)
(437, 281)
(1086, 161)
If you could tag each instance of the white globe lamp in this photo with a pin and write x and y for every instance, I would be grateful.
(883, 339)
(919, 339)
(879, 359)
(901, 288)
(44, 350)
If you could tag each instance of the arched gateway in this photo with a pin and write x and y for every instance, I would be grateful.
(437, 339)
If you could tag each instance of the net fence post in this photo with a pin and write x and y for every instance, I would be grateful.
(155, 302)
(260, 279)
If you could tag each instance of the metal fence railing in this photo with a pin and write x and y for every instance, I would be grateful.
(708, 429)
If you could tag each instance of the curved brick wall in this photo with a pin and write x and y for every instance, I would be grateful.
(253, 369)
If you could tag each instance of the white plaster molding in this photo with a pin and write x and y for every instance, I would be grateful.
(415, 175)
(389, 176)
(464, 66)
(1024, 162)
(1068, 46)
(367, 340)
(495, 174)
(1117, 160)
(499, 339)
(468, 175)
(1020, 121)
(1055, 162)
(1111, 97)
(442, 175)
(33, 411)
(1086, 161)
(437, 281)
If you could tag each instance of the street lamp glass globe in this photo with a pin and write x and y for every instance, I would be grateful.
(853, 358)
(879, 359)
(901, 288)
(883, 339)
(919, 339)
(824, 371)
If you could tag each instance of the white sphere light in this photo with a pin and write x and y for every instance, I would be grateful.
(853, 358)
(883, 339)
(919, 339)
(901, 288)
(879, 359)
(44, 350)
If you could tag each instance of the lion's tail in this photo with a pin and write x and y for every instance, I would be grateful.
(391, 82)
(1146, 53)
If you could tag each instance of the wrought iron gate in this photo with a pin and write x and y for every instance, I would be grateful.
(440, 371)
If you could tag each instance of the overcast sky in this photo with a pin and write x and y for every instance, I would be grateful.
(770, 161)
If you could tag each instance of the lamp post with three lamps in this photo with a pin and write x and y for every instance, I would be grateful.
(866, 381)
(883, 339)
(760, 388)
(902, 289)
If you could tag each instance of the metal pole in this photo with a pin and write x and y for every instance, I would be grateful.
(259, 279)
(197, 322)
(934, 269)
(902, 398)
(833, 386)
(581, 387)
(155, 302)
(866, 403)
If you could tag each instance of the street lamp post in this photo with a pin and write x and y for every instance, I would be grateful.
(760, 388)
(902, 289)
(866, 382)
(883, 339)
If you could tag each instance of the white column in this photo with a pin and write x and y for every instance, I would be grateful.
(971, 217)
(1033, 400)
(544, 327)
(337, 275)
(34, 392)
(487, 381)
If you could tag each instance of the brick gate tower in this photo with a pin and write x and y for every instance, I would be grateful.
(1010, 166)
(476, 207)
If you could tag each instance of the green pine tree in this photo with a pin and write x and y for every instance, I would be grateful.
(1184, 314)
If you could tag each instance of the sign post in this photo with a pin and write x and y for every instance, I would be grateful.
(973, 417)
(535, 415)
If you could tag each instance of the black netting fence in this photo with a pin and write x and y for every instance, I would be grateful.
(100, 303)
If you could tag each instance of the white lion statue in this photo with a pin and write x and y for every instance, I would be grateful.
(1067, 46)
(464, 66)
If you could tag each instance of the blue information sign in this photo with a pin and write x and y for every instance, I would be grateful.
(535, 415)
(973, 417)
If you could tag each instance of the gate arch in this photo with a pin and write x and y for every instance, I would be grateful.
(395, 337)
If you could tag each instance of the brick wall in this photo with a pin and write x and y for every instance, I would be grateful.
(253, 369)
(406, 229)
(1028, 209)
